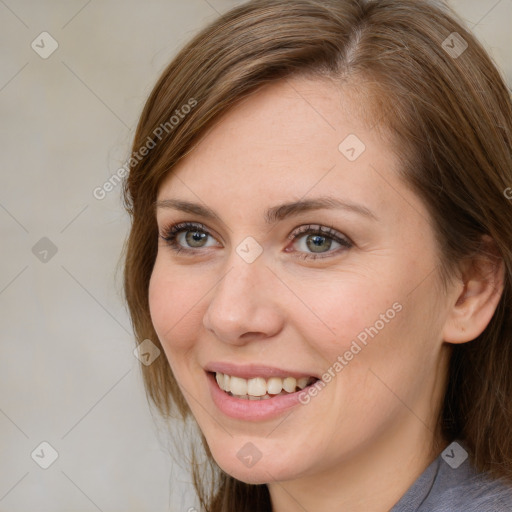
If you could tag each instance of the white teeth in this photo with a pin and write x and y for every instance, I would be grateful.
(302, 382)
(274, 385)
(289, 384)
(258, 388)
(237, 385)
(255, 387)
(226, 383)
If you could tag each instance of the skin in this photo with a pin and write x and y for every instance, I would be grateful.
(365, 438)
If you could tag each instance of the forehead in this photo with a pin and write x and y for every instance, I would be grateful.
(287, 140)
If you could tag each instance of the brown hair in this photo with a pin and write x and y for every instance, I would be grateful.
(451, 121)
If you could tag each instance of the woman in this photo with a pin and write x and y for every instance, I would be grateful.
(321, 246)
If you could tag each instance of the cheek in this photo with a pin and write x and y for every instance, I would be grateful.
(175, 307)
(336, 310)
(367, 321)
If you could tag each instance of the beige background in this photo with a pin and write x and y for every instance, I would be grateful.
(67, 372)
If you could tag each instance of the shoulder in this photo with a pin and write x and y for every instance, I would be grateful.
(477, 493)
(464, 489)
(452, 484)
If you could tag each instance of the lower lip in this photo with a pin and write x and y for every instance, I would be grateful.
(251, 410)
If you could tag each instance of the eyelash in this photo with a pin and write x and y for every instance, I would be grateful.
(170, 234)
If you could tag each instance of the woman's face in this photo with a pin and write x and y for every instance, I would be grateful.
(305, 257)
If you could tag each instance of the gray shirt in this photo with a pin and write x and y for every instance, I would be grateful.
(452, 484)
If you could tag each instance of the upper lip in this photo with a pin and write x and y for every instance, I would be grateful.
(251, 371)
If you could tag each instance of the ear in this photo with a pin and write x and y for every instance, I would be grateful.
(476, 295)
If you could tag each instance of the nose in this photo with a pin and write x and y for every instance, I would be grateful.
(244, 305)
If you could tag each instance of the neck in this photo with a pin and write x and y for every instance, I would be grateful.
(374, 477)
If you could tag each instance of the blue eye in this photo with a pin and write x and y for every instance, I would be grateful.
(314, 241)
(320, 240)
(187, 236)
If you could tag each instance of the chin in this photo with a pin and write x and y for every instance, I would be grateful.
(250, 465)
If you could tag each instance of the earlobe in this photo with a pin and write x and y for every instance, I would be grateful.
(475, 304)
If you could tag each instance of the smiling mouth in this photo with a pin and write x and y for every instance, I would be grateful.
(259, 388)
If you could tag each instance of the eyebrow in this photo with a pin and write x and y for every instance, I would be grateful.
(276, 213)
